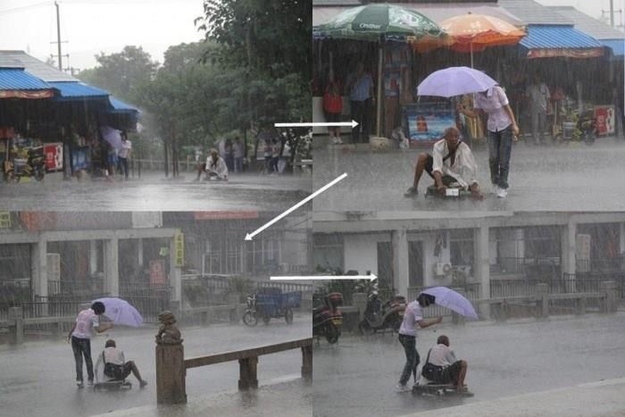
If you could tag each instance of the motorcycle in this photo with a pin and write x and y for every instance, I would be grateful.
(587, 125)
(380, 317)
(27, 163)
(328, 319)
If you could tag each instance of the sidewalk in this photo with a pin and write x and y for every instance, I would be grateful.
(599, 399)
(288, 398)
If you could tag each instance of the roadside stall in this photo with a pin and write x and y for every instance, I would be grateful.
(376, 35)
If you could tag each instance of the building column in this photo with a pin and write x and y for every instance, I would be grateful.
(175, 275)
(399, 244)
(569, 248)
(39, 262)
(111, 267)
(93, 257)
(482, 264)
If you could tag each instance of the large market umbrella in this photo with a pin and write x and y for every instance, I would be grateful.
(454, 81)
(453, 300)
(121, 312)
(475, 32)
(377, 22)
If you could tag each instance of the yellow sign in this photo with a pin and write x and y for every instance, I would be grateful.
(179, 241)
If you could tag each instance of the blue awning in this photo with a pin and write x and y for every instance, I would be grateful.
(119, 106)
(77, 90)
(548, 41)
(18, 79)
(617, 46)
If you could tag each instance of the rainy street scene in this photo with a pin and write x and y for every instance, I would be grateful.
(182, 294)
(550, 178)
(356, 376)
(532, 301)
(153, 190)
(502, 106)
(183, 123)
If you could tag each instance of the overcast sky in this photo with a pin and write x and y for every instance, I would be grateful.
(92, 26)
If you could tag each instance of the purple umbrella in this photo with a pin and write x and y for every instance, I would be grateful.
(446, 297)
(112, 136)
(121, 312)
(454, 81)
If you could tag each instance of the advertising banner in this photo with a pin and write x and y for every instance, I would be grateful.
(54, 156)
(606, 120)
(428, 121)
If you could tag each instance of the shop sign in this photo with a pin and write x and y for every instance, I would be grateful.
(605, 117)
(54, 156)
(566, 53)
(225, 215)
(179, 248)
(35, 221)
(157, 272)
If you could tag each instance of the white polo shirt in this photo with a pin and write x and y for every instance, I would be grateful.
(85, 322)
(412, 315)
(493, 104)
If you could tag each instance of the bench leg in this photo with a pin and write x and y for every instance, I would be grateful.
(247, 373)
(307, 362)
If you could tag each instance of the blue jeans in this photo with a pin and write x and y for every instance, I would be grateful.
(82, 347)
(412, 357)
(499, 150)
(123, 164)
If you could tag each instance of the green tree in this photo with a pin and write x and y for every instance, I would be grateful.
(271, 40)
(123, 73)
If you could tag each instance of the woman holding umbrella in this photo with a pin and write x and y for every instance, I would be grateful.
(502, 129)
(413, 315)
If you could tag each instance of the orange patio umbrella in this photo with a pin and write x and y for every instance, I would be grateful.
(475, 32)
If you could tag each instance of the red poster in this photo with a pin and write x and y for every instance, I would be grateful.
(605, 117)
(157, 272)
(54, 156)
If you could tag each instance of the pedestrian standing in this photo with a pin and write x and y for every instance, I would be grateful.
(538, 96)
(124, 154)
(239, 154)
(502, 130)
(413, 315)
(87, 322)
(360, 87)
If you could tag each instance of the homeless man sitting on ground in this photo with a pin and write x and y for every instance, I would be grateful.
(115, 366)
(443, 366)
(450, 164)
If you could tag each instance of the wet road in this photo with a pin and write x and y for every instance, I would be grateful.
(38, 377)
(357, 377)
(153, 192)
(542, 178)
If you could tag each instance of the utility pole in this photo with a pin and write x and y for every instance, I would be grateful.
(58, 34)
(612, 13)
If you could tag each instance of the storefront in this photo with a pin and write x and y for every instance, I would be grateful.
(570, 61)
(56, 121)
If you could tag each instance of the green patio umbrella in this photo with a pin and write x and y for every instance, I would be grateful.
(380, 22)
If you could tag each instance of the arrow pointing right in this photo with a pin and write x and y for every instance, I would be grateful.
(370, 277)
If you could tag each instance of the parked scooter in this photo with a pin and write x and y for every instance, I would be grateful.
(381, 317)
(30, 163)
(328, 319)
(587, 125)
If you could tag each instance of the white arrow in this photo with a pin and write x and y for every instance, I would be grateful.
(249, 236)
(353, 124)
(370, 277)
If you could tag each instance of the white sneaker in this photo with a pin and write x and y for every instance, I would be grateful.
(402, 388)
(495, 189)
(502, 193)
(339, 141)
